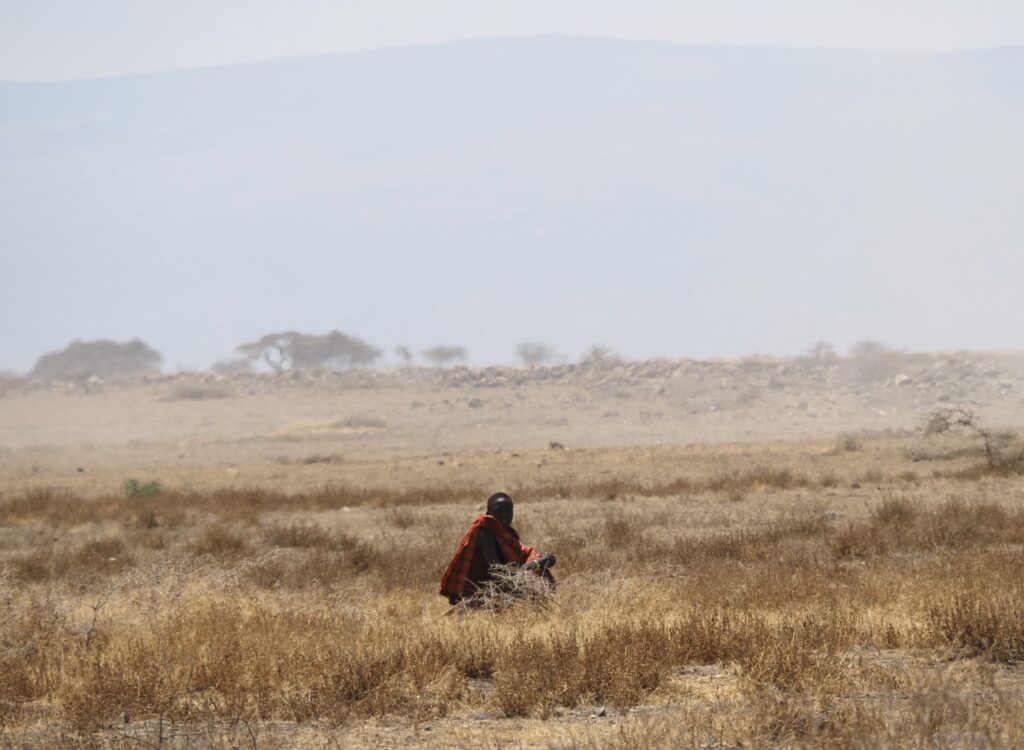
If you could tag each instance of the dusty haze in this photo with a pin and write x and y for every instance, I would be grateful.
(771, 530)
(664, 199)
(298, 431)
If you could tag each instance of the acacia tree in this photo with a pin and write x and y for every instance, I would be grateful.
(102, 358)
(600, 355)
(868, 348)
(404, 354)
(821, 350)
(442, 355)
(228, 367)
(273, 349)
(535, 354)
(292, 350)
(1003, 449)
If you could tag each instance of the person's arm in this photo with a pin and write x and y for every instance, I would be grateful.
(487, 546)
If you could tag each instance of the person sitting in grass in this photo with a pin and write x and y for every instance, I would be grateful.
(490, 541)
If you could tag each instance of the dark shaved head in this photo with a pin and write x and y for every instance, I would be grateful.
(500, 506)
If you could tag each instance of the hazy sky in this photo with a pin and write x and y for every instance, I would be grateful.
(664, 199)
(62, 39)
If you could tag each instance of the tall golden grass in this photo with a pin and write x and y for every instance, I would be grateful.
(124, 618)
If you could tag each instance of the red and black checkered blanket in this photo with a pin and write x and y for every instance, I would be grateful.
(467, 565)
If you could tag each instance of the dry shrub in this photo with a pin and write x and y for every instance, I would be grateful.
(107, 554)
(758, 478)
(30, 628)
(848, 442)
(621, 532)
(785, 653)
(402, 518)
(987, 621)
(41, 564)
(625, 663)
(360, 422)
(317, 458)
(619, 664)
(297, 534)
(797, 654)
(50, 507)
(83, 563)
(508, 588)
(830, 480)
(933, 715)
(1009, 464)
(1003, 450)
(219, 540)
(197, 392)
(788, 716)
(871, 476)
(733, 483)
(900, 524)
(323, 559)
(876, 366)
(747, 545)
(894, 510)
(532, 674)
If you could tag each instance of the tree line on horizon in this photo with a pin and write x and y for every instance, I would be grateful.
(277, 352)
(293, 350)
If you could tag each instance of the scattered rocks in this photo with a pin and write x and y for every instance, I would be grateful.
(716, 390)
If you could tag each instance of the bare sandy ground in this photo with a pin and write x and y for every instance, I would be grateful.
(296, 431)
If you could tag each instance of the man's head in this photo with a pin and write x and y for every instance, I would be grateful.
(499, 505)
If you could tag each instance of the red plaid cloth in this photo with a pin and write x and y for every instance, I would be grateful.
(467, 566)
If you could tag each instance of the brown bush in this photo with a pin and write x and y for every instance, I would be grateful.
(219, 540)
(986, 621)
(297, 534)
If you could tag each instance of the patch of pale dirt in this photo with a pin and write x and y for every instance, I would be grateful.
(490, 426)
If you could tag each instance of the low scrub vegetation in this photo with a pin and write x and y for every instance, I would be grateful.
(254, 608)
(1003, 450)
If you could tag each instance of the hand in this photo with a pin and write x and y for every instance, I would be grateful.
(545, 561)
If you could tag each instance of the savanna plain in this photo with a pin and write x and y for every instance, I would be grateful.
(761, 553)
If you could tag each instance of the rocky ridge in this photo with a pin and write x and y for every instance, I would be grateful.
(889, 380)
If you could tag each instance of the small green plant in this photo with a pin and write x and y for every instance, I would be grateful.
(135, 488)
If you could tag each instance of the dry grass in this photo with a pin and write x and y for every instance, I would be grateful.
(200, 615)
(58, 508)
(197, 392)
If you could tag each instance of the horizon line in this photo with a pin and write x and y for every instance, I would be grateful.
(361, 51)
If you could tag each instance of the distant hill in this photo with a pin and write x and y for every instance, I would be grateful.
(661, 198)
